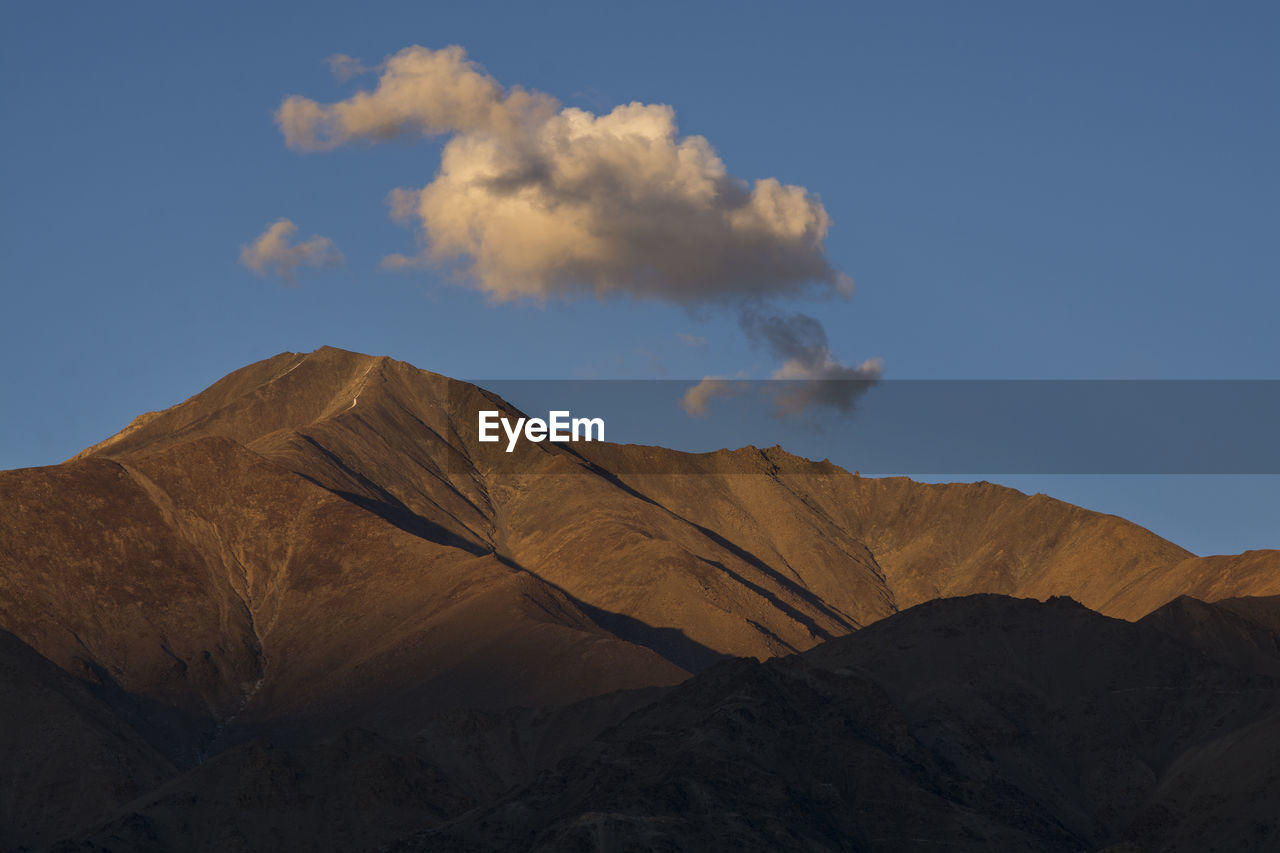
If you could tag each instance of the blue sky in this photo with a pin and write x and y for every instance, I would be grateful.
(1028, 191)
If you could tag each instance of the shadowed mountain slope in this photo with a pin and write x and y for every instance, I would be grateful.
(981, 723)
(70, 755)
(1244, 632)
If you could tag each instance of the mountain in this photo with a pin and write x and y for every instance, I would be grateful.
(66, 749)
(977, 723)
(310, 579)
(1243, 632)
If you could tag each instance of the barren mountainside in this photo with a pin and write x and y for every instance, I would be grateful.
(310, 571)
(929, 730)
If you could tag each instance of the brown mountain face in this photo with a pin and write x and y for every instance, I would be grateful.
(316, 543)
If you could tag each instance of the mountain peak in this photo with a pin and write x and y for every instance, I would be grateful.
(287, 391)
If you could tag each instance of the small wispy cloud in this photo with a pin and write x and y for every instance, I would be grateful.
(697, 400)
(345, 67)
(272, 254)
(692, 340)
(816, 376)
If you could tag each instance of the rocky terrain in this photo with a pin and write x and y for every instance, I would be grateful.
(305, 610)
(977, 723)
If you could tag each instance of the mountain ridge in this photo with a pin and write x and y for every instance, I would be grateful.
(316, 544)
(804, 552)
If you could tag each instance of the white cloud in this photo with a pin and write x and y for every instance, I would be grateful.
(539, 201)
(271, 252)
(425, 91)
(536, 200)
